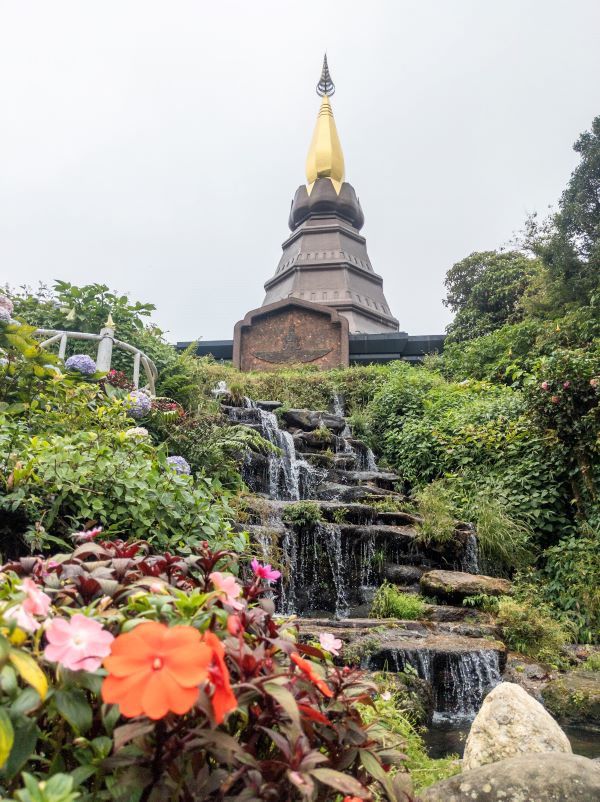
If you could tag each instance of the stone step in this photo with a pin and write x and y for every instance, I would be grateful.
(331, 491)
(380, 479)
(400, 534)
(399, 518)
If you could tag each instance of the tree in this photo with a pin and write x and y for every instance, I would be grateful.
(485, 290)
(569, 243)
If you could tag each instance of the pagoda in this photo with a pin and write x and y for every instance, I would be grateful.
(325, 259)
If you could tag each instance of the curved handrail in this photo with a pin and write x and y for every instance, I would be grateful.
(140, 359)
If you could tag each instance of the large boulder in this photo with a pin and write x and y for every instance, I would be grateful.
(509, 723)
(574, 698)
(308, 420)
(527, 778)
(455, 586)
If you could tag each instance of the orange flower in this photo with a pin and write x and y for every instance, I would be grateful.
(154, 670)
(223, 698)
(307, 668)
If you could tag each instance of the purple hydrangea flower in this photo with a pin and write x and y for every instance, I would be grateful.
(3, 361)
(82, 363)
(139, 404)
(6, 303)
(179, 464)
(4, 315)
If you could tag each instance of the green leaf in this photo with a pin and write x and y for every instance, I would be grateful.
(7, 736)
(26, 735)
(341, 782)
(74, 707)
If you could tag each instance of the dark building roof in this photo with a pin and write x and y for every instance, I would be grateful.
(364, 348)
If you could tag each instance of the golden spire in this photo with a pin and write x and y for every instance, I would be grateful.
(325, 157)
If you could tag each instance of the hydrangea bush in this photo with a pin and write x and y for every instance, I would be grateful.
(146, 676)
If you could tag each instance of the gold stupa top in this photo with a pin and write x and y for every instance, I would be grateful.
(325, 157)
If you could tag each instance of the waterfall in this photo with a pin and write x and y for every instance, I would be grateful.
(460, 680)
(338, 406)
(285, 472)
(315, 571)
(470, 562)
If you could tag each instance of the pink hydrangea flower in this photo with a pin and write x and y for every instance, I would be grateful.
(566, 385)
(79, 644)
(225, 583)
(330, 643)
(22, 618)
(545, 385)
(593, 382)
(265, 571)
(37, 602)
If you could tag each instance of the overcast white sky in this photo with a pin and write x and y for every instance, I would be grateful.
(155, 145)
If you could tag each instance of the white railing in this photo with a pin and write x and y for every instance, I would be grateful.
(106, 342)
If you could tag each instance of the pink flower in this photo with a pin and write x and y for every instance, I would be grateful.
(225, 583)
(265, 571)
(22, 618)
(87, 535)
(593, 382)
(555, 399)
(330, 643)
(544, 385)
(566, 385)
(78, 644)
(37, 602)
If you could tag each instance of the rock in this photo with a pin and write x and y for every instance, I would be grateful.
(308, 420)
(330, 491)
(321, 440)
(402, 574)
(574, 698)
(511, 722)
(455, 586)
(529, 778)
(269, 406)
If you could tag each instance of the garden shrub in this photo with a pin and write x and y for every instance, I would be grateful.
(437, 508)
(60, 482)
(389, 602)
(528, 627)
(203, 695)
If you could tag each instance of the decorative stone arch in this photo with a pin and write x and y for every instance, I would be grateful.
(291, 332)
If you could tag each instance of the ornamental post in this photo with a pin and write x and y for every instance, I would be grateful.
(105, 346)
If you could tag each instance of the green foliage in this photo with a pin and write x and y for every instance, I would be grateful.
(424, 770)
(60, 482)
(592, 663)
(527, 626)
(303, 514)
(71, 308)
(436, 505)
(504, 542)
(485, 289)
(305, 387)
(389, 602)
(570, 579)
(209, 444)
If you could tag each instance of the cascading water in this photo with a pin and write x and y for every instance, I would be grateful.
(460, 680)
(471, 554)
(314, 571)
(285, 472)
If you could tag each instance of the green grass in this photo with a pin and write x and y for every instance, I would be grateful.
(389, 602)
(424, 770)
